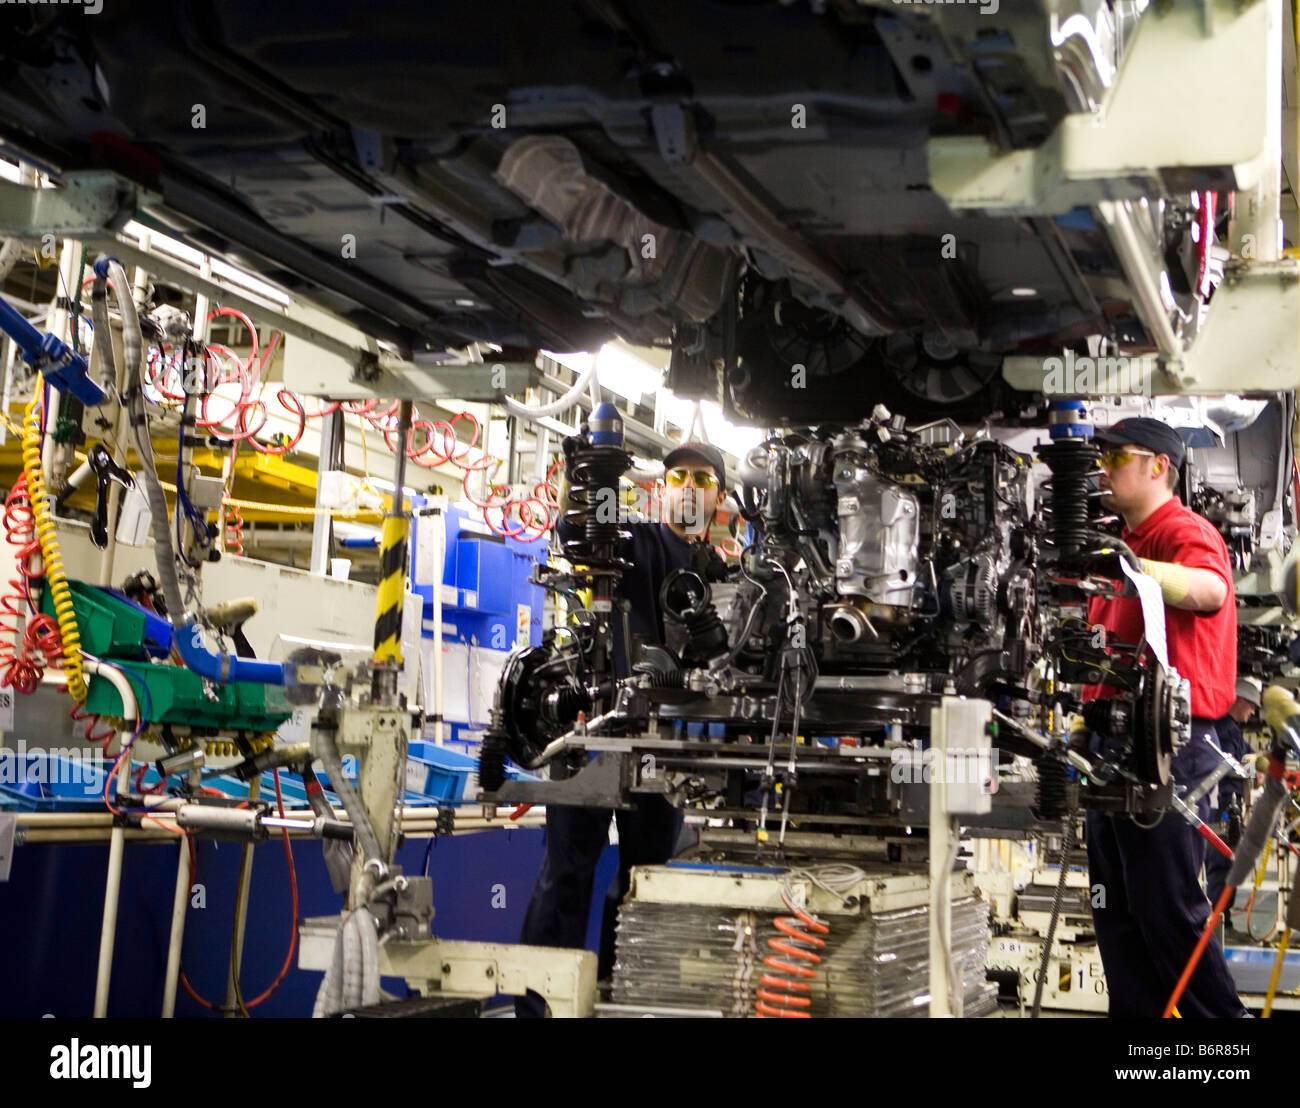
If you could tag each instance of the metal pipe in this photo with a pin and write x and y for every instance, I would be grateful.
(121, 430)
(399, 473)
(940, 832)
(1253, 229)
(241, 918)
(1143, 277)
(117, 840)
(1075, 758)
(331, 434)
(551, 749)
(180, 901)
(439, 560)
(57, 324)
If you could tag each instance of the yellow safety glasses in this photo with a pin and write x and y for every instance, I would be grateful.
(1115, 456)
(700, 478)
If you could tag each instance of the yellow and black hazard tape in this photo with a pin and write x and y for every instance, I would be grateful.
(392, 589)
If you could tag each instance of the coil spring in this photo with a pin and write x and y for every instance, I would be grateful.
(594, 472)
(49, 541)
(233, 539)
(1050, 802)
(786, 991)
(1072, 510)
(41, 645)
(78, 714)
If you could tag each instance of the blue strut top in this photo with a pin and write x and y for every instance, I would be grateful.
(605, 427)
(1068, 419)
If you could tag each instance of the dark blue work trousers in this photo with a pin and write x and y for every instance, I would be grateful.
(561, 903)
(1150, 910)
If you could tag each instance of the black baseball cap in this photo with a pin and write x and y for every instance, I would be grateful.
(701, 452)
(1150, 434)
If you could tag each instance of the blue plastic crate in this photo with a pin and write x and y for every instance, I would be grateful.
(448, 770)
(43, 782)
(292, 788)
(410, 800)
(435, 771)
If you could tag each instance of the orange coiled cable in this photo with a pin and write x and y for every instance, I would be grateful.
(785, 992)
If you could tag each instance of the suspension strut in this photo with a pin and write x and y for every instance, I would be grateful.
(595, 461)
(1073, 458)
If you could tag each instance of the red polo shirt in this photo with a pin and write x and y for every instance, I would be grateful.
(1202, 645)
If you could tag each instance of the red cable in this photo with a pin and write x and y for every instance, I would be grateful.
(293, 893)
(78, 715)
(293, 931)
(1295, 479)
(41, 643)
(234, 536)
(1205, 240)
(1220, 905)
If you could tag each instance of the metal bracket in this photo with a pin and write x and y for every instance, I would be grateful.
(1246, 344)
(599, 784)
(566, 979)
(1134, 145)
(86, 203)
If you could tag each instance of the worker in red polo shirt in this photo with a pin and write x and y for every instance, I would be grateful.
(1153, 910)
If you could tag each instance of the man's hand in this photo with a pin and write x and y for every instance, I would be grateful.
(1194, 590)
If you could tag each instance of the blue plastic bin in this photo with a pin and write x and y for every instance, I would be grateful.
(43, 782)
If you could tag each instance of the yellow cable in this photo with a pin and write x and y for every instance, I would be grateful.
(49, 540)
(1259, 881)
(1095, 665)
(1277, 972)
(343, 513)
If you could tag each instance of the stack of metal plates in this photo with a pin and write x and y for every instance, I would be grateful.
(696, 937)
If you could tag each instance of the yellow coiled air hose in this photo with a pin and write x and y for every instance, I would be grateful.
(49, 540)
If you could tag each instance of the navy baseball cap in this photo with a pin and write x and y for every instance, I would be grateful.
(700, 452)
(1150, 434)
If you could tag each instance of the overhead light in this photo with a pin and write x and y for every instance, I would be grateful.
(623, 372)
(165, 244)
(462, 303)
(247, 280)
(1024, 292)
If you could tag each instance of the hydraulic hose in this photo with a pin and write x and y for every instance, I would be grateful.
(364, 830)
(223, 667)
(1291, 923)
(557, 406)
(220, 667)
(1277, 972)
(132, 344)
(61, 595)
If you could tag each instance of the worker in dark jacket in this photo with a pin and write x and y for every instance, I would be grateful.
(561, 903)
(1230, 789)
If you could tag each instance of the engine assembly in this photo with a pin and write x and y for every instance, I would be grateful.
(888, 570)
